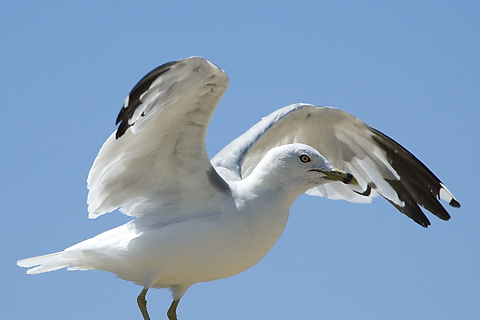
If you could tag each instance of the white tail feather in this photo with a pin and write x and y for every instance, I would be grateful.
(45, 263)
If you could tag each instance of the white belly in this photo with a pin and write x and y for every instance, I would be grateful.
(194, 250)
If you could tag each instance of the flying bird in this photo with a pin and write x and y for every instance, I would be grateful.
(198, 219)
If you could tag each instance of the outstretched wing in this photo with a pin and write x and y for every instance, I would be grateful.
(381, 165)
(157, 157)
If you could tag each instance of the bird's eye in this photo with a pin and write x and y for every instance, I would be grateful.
(304, 158)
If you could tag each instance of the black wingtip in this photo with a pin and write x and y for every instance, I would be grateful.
(122, 128)
(454, 203)
(418, 186)
(134, 97)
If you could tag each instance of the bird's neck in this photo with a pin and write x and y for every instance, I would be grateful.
(270, 189)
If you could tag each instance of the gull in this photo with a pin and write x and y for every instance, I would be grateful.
(198, 219)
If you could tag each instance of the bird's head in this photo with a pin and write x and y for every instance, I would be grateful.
(301, 167)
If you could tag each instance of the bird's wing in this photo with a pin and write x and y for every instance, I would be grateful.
(157, 159)
(381, 165)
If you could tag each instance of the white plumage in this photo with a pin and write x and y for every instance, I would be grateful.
(199, 220)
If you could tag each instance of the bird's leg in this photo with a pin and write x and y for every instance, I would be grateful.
(172, 311)
(142, 304)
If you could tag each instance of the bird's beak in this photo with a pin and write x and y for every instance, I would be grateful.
(339, 175)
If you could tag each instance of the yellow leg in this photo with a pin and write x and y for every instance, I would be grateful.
(172, 311)
(142, 304)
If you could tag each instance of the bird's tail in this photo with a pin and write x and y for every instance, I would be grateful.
(45, 263)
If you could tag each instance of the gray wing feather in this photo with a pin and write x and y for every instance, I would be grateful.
(381, 165)
(157, 157)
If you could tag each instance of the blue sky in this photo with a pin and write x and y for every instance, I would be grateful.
(408, 68)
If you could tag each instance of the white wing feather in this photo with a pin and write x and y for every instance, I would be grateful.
(158, 153)
(381, 166)
(156, 160)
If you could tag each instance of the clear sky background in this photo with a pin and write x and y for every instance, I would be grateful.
(408, 68)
